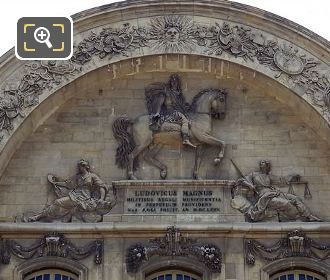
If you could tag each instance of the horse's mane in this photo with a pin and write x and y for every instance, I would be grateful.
(193, 105)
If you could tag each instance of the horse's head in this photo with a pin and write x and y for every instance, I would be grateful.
(211, 101)
(218, 104)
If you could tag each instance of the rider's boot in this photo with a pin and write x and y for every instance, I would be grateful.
(186, 141)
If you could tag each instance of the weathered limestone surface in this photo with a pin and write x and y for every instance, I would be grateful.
(260, 123)
(257, 126)
(267, 117)
(262, 25)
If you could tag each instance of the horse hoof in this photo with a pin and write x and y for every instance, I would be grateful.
(217, 160)
(196, 177)
(163, 174)
(132, 177)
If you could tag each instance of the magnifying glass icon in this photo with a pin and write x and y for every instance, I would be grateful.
(41, 35)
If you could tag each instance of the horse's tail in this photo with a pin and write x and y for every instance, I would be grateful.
(126, 143)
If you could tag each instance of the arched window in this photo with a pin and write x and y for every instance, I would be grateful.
(296, 269)
(50, 268)
(297, 274)
(51, 274)
(173, 275)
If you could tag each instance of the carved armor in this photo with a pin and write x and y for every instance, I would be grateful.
(166, 103)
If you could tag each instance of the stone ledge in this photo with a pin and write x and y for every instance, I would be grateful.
(125, 229)
(177, 183)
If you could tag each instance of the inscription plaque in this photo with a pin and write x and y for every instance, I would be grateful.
(179, 197)
(190, 200)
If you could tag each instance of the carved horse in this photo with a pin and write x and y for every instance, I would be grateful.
(135, 136)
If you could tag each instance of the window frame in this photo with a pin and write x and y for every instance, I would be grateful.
(295, 263)
(297, 271)
(169, 263)
(51, 272)
(44, 263)
(173, 272)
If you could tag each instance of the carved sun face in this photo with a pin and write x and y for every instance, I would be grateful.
(172, 34)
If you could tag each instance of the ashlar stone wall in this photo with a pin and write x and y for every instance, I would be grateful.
(263, 121)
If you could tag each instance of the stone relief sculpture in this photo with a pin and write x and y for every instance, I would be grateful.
(166, 103)
(110, 42)
(174, 244)
(171, 116)
(41, 75)
(172, 33)
(234, 40)
(168, 34)
(86, 197)
(295, 244)
(51, 245)
(258, 197)
(10, 108)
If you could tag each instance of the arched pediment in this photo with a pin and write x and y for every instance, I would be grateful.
(266, 44)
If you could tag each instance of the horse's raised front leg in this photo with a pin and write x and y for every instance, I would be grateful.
(198, 159)
(212, 141)
(150, 156)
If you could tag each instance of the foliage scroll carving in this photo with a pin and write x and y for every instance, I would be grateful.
(174, 244)
(51, 245)
(171, 34)
(295, 244)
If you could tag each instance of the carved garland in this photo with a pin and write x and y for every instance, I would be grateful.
(51, 245)
(296, 244)
(174, 244)
(172, 33)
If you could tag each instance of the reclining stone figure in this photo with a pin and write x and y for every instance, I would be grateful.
(86, 198)
(268, 201)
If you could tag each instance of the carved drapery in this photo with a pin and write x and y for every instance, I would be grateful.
(268, 201)
(51, 245)
(74, 198)
(174, 244)
(295, 244)
(173, 34)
